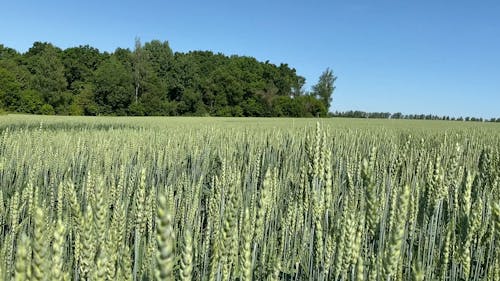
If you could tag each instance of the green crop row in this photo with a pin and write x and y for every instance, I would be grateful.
(246, 200)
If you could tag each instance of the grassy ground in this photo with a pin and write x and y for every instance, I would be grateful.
(248, 199)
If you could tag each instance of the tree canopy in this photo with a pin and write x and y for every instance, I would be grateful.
(152, 79)
(323, 90)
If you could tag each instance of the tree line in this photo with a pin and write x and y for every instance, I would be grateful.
(399, 115)
(151, 80)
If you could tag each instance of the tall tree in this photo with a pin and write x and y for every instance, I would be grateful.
(80, 63)
(139, 65)
(160, 56)
(113, 85)
(323, 90)
(9, 89)
(44, 61)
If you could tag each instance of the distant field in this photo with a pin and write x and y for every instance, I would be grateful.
(247, 122)
(192, 198)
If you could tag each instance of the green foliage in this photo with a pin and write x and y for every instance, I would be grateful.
(29, 101)
(47, 109)
(80, 64)
(83, 102)
(323, 90)
(113, 87)
(152, 80)
(44, 61)
(160, 57)
(9, 89)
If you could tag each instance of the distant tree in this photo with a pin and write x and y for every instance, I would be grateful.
(140, 68)
(80, 63)
(323, 90)
(9, 89)
(47, 109)
(160, 56)
(7, 53)
(397, 115)
(191, 104)
(253, 106)
(84, 102)
(312, 107)
(113, 85)
(298, 87)
(44, 61)
(30, 101)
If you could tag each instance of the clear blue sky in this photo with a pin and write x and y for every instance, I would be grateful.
(437, 57)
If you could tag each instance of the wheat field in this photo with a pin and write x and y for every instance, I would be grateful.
(248, 199)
